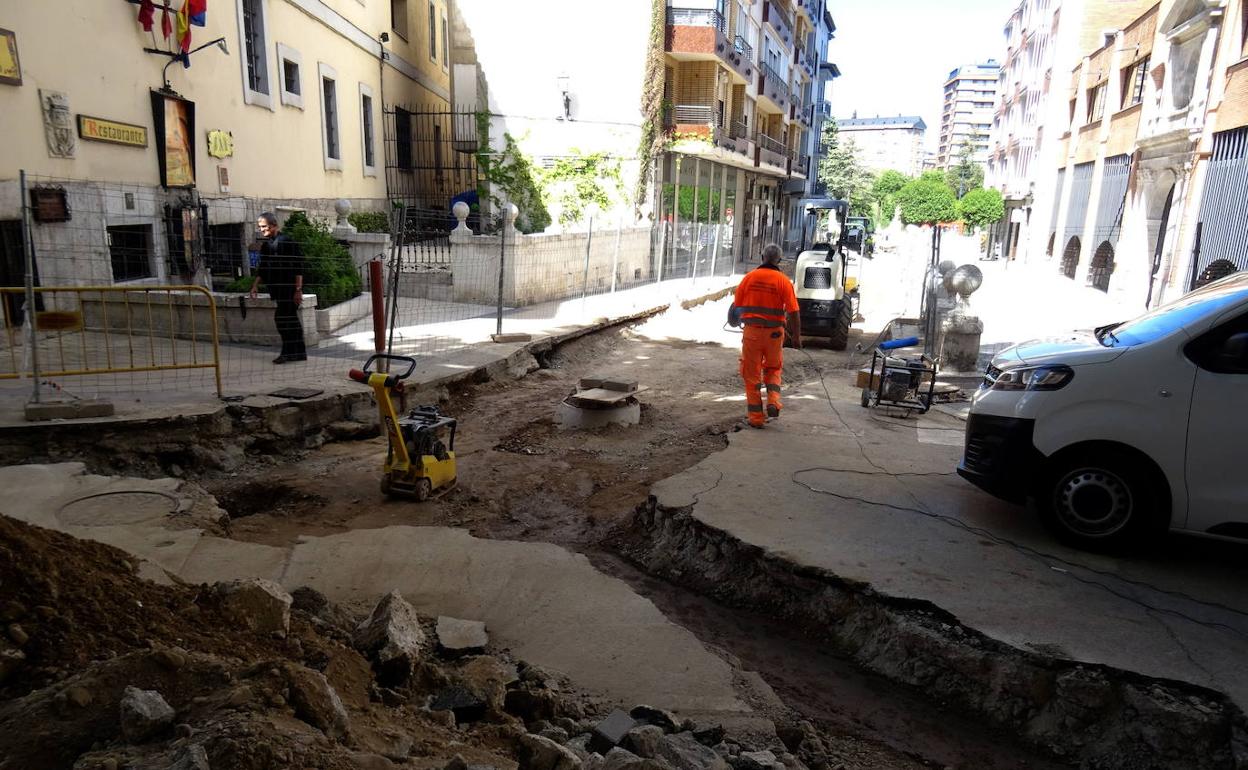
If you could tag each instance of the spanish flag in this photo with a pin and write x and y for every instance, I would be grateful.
(198, 11)
(184, 28)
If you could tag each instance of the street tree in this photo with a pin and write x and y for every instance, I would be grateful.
(982, 207)
(966, 174)
(884, 195)
(926, 201)
(841, 171)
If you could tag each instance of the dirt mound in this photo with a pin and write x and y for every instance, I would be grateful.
(83, 634)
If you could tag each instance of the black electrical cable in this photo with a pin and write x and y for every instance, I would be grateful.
(1027, 551)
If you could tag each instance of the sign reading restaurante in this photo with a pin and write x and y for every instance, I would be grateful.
(101, 130)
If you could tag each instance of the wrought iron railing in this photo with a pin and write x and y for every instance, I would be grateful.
(773, 76)
(772, 145)
(801, 164)
(739, 130)
(697, 17)
(744, 48)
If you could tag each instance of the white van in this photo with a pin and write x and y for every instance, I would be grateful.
(1126, 431)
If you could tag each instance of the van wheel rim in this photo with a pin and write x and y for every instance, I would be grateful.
(1093, 502)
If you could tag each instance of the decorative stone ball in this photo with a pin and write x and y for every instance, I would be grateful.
(966, 280)
(343, 207)
(511, 212)
(460, 209)
(946, 267)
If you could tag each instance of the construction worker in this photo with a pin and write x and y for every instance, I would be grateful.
(764, 301)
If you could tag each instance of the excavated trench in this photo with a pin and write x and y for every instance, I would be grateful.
(1087, 715)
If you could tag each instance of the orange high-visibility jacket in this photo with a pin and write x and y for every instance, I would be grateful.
(763, 297)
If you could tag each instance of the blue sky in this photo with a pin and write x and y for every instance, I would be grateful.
(894, 55)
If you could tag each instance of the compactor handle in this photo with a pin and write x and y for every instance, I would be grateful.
(358, 375)
(411, 364)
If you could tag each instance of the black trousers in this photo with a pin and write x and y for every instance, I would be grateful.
(288, 326)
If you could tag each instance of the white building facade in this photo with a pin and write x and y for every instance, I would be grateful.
(887, 143)
(966, 118)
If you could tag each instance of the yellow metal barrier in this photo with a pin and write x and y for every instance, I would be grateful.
(92, 330)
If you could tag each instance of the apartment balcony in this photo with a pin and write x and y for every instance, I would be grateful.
(702, 122)
(773, 90)
(701, 34)
(811, 9)
(780, 21)
(796, 105)
(801, 166)
(771, 153)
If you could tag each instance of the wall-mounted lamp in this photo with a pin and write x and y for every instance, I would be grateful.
(384, 37)
(565, 96)
(184, 57)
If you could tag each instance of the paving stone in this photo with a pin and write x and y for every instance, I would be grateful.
(69, 410)
(460, 637)
(609, 732)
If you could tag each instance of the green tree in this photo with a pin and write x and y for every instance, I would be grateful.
(982, 207)
(884, 195)
(926, 201)
(578, 180)
(966, 174)
(841, 172)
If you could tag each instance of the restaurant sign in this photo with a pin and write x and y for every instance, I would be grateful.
(101, 130)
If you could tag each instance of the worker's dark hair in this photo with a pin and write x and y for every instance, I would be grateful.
(772, 253)
(268, 216)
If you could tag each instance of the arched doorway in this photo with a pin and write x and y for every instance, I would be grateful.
(1102, 267)
(1214, 272)
(1160, 245)
(1070, 258)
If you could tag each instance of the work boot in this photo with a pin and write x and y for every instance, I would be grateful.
(759, 425)
(773, 411)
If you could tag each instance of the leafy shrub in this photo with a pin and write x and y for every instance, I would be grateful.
(370, 221)
(331, 275)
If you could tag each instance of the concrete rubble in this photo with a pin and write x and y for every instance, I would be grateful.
(143, 714)
(256, 604)
(392, 636)
(461, 637)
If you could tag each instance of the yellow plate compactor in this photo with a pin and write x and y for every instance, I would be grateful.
(420, 459)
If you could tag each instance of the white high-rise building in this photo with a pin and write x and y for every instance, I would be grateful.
(970, 95)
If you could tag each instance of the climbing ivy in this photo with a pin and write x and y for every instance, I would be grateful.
(576, 181)
(514, 173)
(649, 145)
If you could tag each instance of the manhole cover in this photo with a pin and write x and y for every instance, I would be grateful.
(115, 508)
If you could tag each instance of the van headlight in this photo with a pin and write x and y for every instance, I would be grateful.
(1053, 377)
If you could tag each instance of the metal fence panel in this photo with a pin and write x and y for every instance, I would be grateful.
(1223, 210)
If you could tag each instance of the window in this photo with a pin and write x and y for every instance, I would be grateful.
(130, 247)
(292, 89)
(329, 118)
(433, 32)
(403, 138)
(398, 17)
(1133, 78)
(366, 126)
(1096, 102)
(446, 45)
(255, 63)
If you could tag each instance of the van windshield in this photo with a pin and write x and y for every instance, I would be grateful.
(1156, 324)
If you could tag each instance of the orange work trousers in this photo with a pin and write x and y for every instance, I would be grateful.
(761, 360)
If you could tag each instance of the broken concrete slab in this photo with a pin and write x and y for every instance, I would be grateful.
(143, 714)
(609, 732)
(461, 637)
(538, 753)
(257, 605)
(542, 601)
(392, 636)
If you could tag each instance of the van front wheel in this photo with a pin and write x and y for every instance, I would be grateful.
(1102, 500)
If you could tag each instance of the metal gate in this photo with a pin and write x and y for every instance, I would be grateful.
(431, 157)
(1223, 210)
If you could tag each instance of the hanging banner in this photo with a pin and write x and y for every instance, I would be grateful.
(174, 125)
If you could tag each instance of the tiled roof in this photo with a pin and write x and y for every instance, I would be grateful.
(900, 121)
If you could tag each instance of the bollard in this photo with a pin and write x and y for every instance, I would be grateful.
(376, 291)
